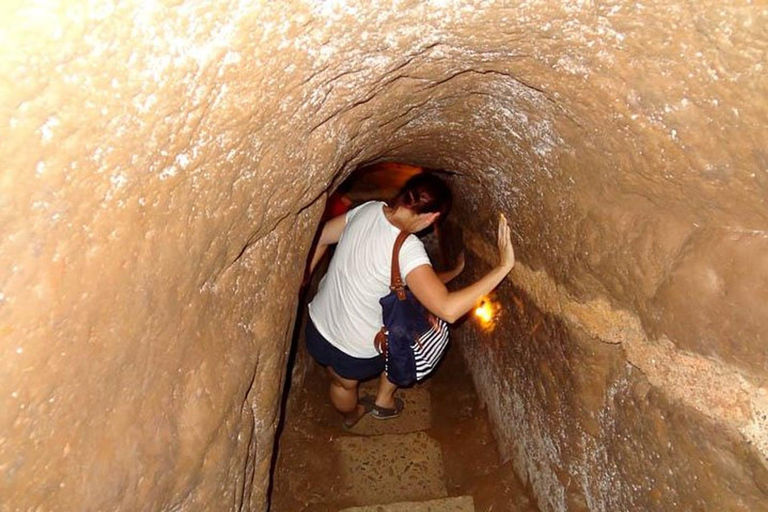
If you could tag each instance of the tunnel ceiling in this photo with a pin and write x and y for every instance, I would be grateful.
(161, 157)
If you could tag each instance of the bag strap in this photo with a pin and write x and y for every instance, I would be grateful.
(396, 281)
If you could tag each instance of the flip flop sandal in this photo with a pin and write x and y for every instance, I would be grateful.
(382, 413)
(368, 402)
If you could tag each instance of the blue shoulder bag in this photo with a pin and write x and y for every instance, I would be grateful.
(411, 339)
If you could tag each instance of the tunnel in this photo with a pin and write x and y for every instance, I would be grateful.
(166, 165)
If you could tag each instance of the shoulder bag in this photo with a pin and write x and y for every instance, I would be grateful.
(412, 340)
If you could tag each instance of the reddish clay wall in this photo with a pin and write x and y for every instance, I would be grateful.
(163, 174)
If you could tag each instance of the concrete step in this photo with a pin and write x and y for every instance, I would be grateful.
(390, 468)
(459, 504)
(417, 414)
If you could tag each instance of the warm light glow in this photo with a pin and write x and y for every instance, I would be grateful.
(487, 313)
(484, 311)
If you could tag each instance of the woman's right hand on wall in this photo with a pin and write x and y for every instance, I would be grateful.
(504, 241)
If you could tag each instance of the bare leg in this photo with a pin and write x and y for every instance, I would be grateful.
(385, 396)
(343, 393)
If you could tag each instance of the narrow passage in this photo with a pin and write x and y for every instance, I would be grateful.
(439, 455)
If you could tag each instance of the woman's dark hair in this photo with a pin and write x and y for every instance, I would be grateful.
(425, 193)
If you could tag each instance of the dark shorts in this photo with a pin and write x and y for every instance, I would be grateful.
(345, 365)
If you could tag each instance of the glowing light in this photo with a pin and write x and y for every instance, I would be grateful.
(486, 313)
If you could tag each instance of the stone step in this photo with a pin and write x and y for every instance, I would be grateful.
(390, 468)
(416, 416)
(458, 504)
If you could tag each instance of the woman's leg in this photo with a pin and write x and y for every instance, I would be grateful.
(386, 394)
(344, 397)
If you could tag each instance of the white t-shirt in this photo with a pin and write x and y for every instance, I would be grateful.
(346, 309)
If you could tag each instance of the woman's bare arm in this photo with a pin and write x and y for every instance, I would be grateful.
(330, 235)
(450, 306)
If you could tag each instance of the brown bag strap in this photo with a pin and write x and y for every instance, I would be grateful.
(396, 281)
(381, 340)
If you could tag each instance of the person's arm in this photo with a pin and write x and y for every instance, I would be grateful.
(446, 276)
(450, 306)
(330, 235)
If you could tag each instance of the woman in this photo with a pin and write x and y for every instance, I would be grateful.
(345, 315)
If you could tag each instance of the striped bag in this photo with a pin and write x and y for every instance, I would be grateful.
(411, 339)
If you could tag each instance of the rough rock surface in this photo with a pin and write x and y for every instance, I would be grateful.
(163, 173)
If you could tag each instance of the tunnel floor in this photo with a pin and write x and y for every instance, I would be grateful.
(322, 468)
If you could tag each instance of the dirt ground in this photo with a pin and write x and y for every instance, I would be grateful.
(306, 472)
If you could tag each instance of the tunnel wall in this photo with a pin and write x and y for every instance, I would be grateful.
(164, 171)
(596, 416)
